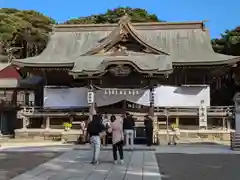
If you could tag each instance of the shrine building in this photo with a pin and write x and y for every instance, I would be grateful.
(165, 69)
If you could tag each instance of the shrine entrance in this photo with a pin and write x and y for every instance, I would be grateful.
(116, 101)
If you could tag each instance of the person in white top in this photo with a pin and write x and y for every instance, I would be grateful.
(106, 122)
(128, 127)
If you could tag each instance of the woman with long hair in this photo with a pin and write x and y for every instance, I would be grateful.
(116, 127)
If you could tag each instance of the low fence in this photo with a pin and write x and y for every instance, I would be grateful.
(212, 111)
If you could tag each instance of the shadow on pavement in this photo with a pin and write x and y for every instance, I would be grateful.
(15, 163)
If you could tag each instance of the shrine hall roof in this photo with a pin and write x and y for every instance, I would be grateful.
(186, 43)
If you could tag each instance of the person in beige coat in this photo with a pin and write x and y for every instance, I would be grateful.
(116, 128)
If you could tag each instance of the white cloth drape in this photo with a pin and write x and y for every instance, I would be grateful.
(164, 96)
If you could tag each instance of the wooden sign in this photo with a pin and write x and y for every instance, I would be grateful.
(90, 97)
(202, 116)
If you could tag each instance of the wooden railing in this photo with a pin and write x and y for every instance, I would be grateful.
(11, 103)
(193, 111)
(213, 111)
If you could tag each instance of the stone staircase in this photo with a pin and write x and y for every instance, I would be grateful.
(235, 141)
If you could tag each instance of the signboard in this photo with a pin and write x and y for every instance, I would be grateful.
(90, 97)
(202, 116)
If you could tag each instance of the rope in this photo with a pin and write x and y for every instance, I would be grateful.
(99, 88)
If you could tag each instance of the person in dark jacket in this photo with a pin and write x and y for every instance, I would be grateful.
(94, 128)
(148, 123)
(128, 127)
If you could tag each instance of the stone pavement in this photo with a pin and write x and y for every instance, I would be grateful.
(195, 149)
(178, 166)
(75, 165)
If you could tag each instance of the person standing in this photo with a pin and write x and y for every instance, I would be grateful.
(148, 123)
(106, 123)
(116, 128)
(173, 136)
(95, 127)
(82, 136)
(128, 127)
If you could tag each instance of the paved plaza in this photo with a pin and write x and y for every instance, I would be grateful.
(182, 162)
(15, 163)
(75, 165)
(199, 166)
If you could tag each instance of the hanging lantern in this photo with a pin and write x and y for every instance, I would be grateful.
(124, 92)
(105, 92)
(120, 92)
(112, 91)
(137, 92)
(109, 92)
(116, 92)
(133, 92)
(129, 92)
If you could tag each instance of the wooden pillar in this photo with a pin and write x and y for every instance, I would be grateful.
(151, 100)
(223, 123)
(24, 122)
(14, 98)
(177, 121)
(27, 98)
(71, 119)
(228, 124)
(151, 114)
(47, 122)
(185, 78)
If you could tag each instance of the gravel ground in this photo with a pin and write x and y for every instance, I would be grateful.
(15, 163)
(199, 166)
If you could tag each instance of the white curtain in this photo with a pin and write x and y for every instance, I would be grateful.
(182, 96)
(65, 97)
(165, 96)
(108, 97)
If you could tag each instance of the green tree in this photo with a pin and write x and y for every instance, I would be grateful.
(229, 43)
(25, 29)
(113, 16)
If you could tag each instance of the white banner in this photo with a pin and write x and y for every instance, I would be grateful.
(164, 96)
(65, 98)
(202, 116)
(182, 96)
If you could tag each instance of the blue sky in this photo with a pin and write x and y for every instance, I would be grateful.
(221, 14)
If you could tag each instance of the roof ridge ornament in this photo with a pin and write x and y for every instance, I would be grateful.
(121, 33)
(125, 19)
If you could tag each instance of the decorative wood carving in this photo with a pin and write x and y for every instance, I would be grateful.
(126, 45)
(120, 70)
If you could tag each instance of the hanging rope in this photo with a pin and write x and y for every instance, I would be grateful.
(99, 88)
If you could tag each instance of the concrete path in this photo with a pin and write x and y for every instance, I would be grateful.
(75, 165)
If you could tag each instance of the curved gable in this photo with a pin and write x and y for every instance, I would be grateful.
(123, 33)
